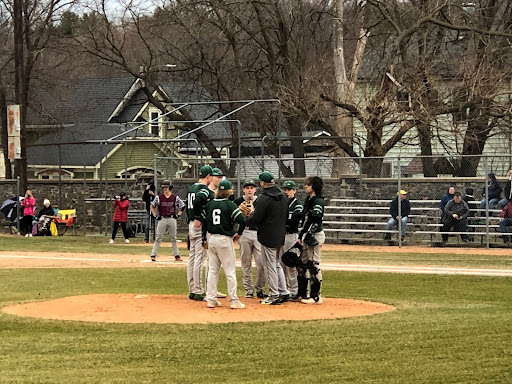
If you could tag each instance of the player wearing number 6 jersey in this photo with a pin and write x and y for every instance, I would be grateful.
(221, 215)
(196, 252)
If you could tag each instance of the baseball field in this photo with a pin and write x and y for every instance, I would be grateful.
(450, 320)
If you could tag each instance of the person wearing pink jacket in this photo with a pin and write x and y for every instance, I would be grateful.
(28, 203)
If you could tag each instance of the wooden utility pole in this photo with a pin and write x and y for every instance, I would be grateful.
(20, 168)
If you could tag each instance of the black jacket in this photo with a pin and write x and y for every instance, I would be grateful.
(270, 214)
(507, 190)
(405, 208)
(146, 197)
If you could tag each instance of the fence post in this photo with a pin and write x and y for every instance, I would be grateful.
(486, 203)
(18, 192)
(155, 172)
(399, 199)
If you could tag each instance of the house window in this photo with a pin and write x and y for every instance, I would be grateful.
(154, 125)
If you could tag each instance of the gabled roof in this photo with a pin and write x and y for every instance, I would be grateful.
(76, 154)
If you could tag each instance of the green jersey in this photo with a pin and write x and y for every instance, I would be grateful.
(192, 193)
(221, 215)
(294, 215)
(318, 212)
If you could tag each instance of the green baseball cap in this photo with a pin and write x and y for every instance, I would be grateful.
(290, 184)
(266, 177)
(216, 172)
(248, 182)
(225, 184)
(205, 171)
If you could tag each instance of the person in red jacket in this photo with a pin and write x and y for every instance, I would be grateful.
(121, 205)
(506, 221)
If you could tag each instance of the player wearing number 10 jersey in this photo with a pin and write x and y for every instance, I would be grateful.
(221, 215)
(196, 252)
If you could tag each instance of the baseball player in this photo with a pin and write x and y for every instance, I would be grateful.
(270, 213)
(170, 207)
(196, 251)
(292, 234)
(311, 237)
(249, 246)
(221, 215)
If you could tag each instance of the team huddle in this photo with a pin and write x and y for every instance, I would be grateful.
(267, 229)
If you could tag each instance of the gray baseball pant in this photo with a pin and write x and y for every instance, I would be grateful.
(195, 260)
(221, 253)
(249, 246)
(165, 225)
(274, 273)
(290, 274)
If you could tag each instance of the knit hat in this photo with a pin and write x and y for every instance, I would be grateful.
(46, 201)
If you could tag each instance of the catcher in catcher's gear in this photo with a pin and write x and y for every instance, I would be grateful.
(249, 244)
(312, 237)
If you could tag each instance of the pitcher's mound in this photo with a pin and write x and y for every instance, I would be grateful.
(132, 308)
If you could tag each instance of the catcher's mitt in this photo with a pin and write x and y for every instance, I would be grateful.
(247, 208)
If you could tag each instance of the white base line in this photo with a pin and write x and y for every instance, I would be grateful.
(55, 258)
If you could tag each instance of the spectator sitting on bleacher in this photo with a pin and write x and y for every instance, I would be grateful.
(508, 192)
(405, 209)
(506, 221)
(446, 198)
(455, 215)
(494, 193)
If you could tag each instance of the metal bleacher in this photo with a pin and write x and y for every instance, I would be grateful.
(364, 221)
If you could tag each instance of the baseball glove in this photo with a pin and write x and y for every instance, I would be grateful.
(247, 208)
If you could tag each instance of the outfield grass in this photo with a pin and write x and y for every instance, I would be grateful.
(99, 244)
(446, 329)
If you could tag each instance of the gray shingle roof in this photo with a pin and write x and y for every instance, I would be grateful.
(43, 153)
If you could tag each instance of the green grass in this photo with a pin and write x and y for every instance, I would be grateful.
(445, 330)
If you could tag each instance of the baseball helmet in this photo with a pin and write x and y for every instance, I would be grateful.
(291, 258)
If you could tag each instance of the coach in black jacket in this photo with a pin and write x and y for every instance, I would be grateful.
(270, 214)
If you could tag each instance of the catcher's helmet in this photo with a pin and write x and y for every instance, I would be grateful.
(291, 258)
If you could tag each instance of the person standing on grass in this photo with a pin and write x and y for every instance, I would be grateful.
(148, 196)
(292, 235)
(249, 247)
(221, 215)
(170, 207)
(28, 203)
(456, 216)
(195, 238)
(121, 205)
(270, 213)
(312, 237)
(405, 210)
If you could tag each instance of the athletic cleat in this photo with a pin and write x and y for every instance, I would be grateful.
(111, 241)
(313, 300)
(261, 295)
(269, 301)
(177, 258)
(295, 298)
(249, 295)
(199, 297)
(191, 296)
(153, 257)
(221, 295)
(127, 241)
(214, 304)
(237, 305)
(283, 298)
(146, 241)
